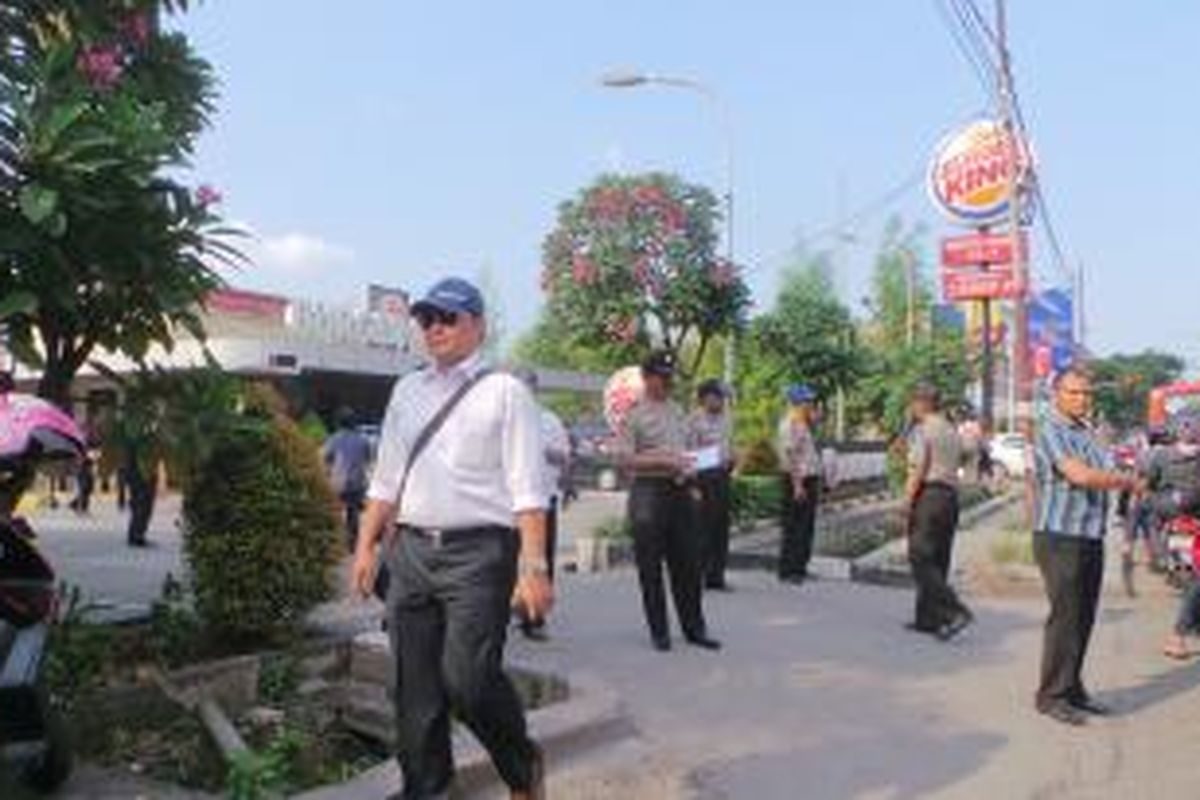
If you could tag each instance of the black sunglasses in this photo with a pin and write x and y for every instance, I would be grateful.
(428, 318)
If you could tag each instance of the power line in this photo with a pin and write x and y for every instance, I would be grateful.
(947, 11)
(981, 22)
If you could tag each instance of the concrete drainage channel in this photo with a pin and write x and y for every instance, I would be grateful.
(579, 713)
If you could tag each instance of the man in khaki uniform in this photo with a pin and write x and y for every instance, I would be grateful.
(934, 457)
(710, 426)
(653, 446)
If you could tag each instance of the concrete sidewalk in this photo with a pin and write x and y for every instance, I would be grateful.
(821, 693)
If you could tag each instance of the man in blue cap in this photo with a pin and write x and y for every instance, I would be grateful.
(458, 500)
(800, 459)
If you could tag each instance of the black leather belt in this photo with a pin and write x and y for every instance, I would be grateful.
(440, 535)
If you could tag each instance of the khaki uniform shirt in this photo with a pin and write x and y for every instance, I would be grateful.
(653, 425)
(937, 437)
(711, 430)
(798, 452)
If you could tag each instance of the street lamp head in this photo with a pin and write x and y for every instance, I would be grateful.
(623, 79)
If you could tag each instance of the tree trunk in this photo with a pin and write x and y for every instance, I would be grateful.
(55, 383)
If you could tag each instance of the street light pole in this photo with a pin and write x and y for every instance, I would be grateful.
(631, 80)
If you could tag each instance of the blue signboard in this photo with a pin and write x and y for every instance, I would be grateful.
(1051, 324)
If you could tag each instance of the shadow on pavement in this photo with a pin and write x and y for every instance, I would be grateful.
(1159, 688)
(897, 762)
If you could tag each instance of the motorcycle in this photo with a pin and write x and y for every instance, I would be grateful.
(1182, 549)
(34, 435)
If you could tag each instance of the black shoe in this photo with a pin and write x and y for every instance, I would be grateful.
(661, 643)
(960, 622)
(704, 641)
(718, 586)
(1089, 706)
(797, 579)
(1064, 713)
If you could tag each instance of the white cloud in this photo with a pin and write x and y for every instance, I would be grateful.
(299, 252)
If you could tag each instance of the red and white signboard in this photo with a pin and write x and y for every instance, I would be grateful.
(978, 248)
(959, 285)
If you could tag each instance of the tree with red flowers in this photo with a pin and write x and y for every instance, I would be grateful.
(106, 247)
(632, 264)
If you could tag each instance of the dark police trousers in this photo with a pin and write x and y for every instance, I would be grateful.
(1073, 571)
(713, 518)
(799, 527)
(449, 606)
(930, 544)
(661, 513)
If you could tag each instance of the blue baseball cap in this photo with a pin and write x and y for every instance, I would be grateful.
(453, 295)
(800, 393)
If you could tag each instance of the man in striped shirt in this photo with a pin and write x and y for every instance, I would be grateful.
(1074, 475)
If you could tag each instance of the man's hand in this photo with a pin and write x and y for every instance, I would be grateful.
(363, 573)
(534, 595)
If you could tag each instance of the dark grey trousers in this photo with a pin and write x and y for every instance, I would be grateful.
(1072, 569)
(449, 606)
(799, 527)
(664, 532)
(713, 512)
(930, 550)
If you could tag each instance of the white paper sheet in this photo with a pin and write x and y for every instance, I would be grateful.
(706, 458)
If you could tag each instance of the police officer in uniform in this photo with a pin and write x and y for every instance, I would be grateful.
(934, 457)
(710, 426)
(653, 448)
(465, 536)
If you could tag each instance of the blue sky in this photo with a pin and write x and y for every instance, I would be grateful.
(392, 142)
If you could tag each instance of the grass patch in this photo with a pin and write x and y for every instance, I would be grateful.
(1015, 546)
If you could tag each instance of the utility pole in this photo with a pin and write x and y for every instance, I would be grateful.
(1020, 265)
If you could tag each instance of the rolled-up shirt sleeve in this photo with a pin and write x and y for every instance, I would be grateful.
(393, 453)
(521, 449)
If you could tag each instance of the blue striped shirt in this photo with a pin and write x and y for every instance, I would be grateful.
(1063, 508)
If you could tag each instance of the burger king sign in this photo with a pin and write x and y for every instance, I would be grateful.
(973, 172)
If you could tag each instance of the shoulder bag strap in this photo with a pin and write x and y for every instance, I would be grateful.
(383, 576)
(432, 427)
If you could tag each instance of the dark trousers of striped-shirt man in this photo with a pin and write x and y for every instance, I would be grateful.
(1073, 570)
(930, 549)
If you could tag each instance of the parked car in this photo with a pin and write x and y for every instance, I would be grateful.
(1008, 453)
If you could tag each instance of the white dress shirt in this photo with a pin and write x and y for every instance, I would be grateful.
(555, 440)
(483, 466)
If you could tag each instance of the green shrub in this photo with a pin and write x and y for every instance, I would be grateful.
(176, 633)
(617, 528)
(760, 458)
(261, 528)
(756, 497)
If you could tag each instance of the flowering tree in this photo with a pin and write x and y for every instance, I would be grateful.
(632, 264)
(99, 110)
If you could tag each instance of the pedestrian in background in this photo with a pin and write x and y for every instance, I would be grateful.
(458, 491)
(710, 426)
(1073, 477)
(556, 451)
(653, 447)
(346, 454)
(803, 470)
(85, 484)
(935, 455)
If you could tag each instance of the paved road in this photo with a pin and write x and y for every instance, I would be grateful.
(820, 693)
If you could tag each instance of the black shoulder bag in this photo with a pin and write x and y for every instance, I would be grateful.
(383, 580)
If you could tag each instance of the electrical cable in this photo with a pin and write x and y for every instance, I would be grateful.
(978, 66)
